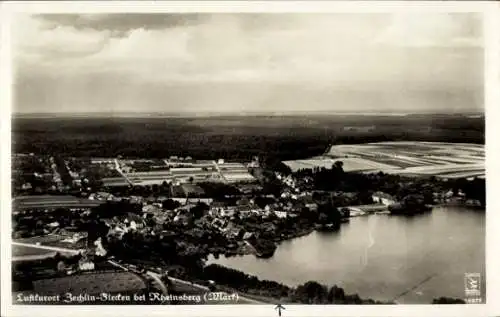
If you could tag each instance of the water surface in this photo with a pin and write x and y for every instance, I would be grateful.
(382, 256)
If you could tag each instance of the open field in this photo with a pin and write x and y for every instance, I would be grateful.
(49, 201)
(449, 160)
(43, 240)
(50, 242)
(55, 246)
(91, 283)
(21, 250)
(115, 181)
(30, 258)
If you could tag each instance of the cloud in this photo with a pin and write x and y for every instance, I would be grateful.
(121, 24)
(37, 43)
(316, 55)
(433, 30)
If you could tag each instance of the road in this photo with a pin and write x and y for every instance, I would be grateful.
(117, 167)
(158, 280)
(220, 172)
(198, 287)
(206, 289)
(153, 275)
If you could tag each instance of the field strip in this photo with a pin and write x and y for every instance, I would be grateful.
(450, 144)
(478, 170)
(294, 165)
(62, 250)
(34, 257)
(457, 160)
(462, 174)
(354, 166)
(43, 205)
(459, 167)
(372, 163)
(425, 160)
(472, 157)
(305, 162)
(55, 198)
(409, 159)
(42, 239)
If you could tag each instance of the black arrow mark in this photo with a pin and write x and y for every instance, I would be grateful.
(279, 308)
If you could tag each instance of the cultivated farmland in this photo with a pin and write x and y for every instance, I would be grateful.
(21, 250)
(447, 160)
(52, 202)
(91, 283)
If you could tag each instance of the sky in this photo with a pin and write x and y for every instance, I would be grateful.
(248, 62)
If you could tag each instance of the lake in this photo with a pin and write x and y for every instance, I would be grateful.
(384, 257)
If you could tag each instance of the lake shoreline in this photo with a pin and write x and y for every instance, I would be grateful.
(289, 257)
(245, 250)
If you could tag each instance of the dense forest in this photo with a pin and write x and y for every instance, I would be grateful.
(231, 137)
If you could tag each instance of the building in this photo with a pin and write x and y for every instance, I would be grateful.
(245, 211)
(102, 161)
(312, 206)
(152, 209)
(248, 235)
(26, 186)
(281, 214)
(383, 198)
(99, 249)
(77, 237)
(218, 223)
(231, 231)
(85, 265)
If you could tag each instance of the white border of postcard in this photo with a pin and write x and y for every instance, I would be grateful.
(491, 13)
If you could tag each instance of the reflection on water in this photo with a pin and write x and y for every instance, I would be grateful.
(383, 256)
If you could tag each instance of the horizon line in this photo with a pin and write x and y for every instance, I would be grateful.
(266, 113)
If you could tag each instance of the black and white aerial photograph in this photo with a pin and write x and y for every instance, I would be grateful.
(248, 158)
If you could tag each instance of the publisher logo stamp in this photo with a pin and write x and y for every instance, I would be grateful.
(472, 285)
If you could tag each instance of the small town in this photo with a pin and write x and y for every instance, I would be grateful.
(163, 218)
